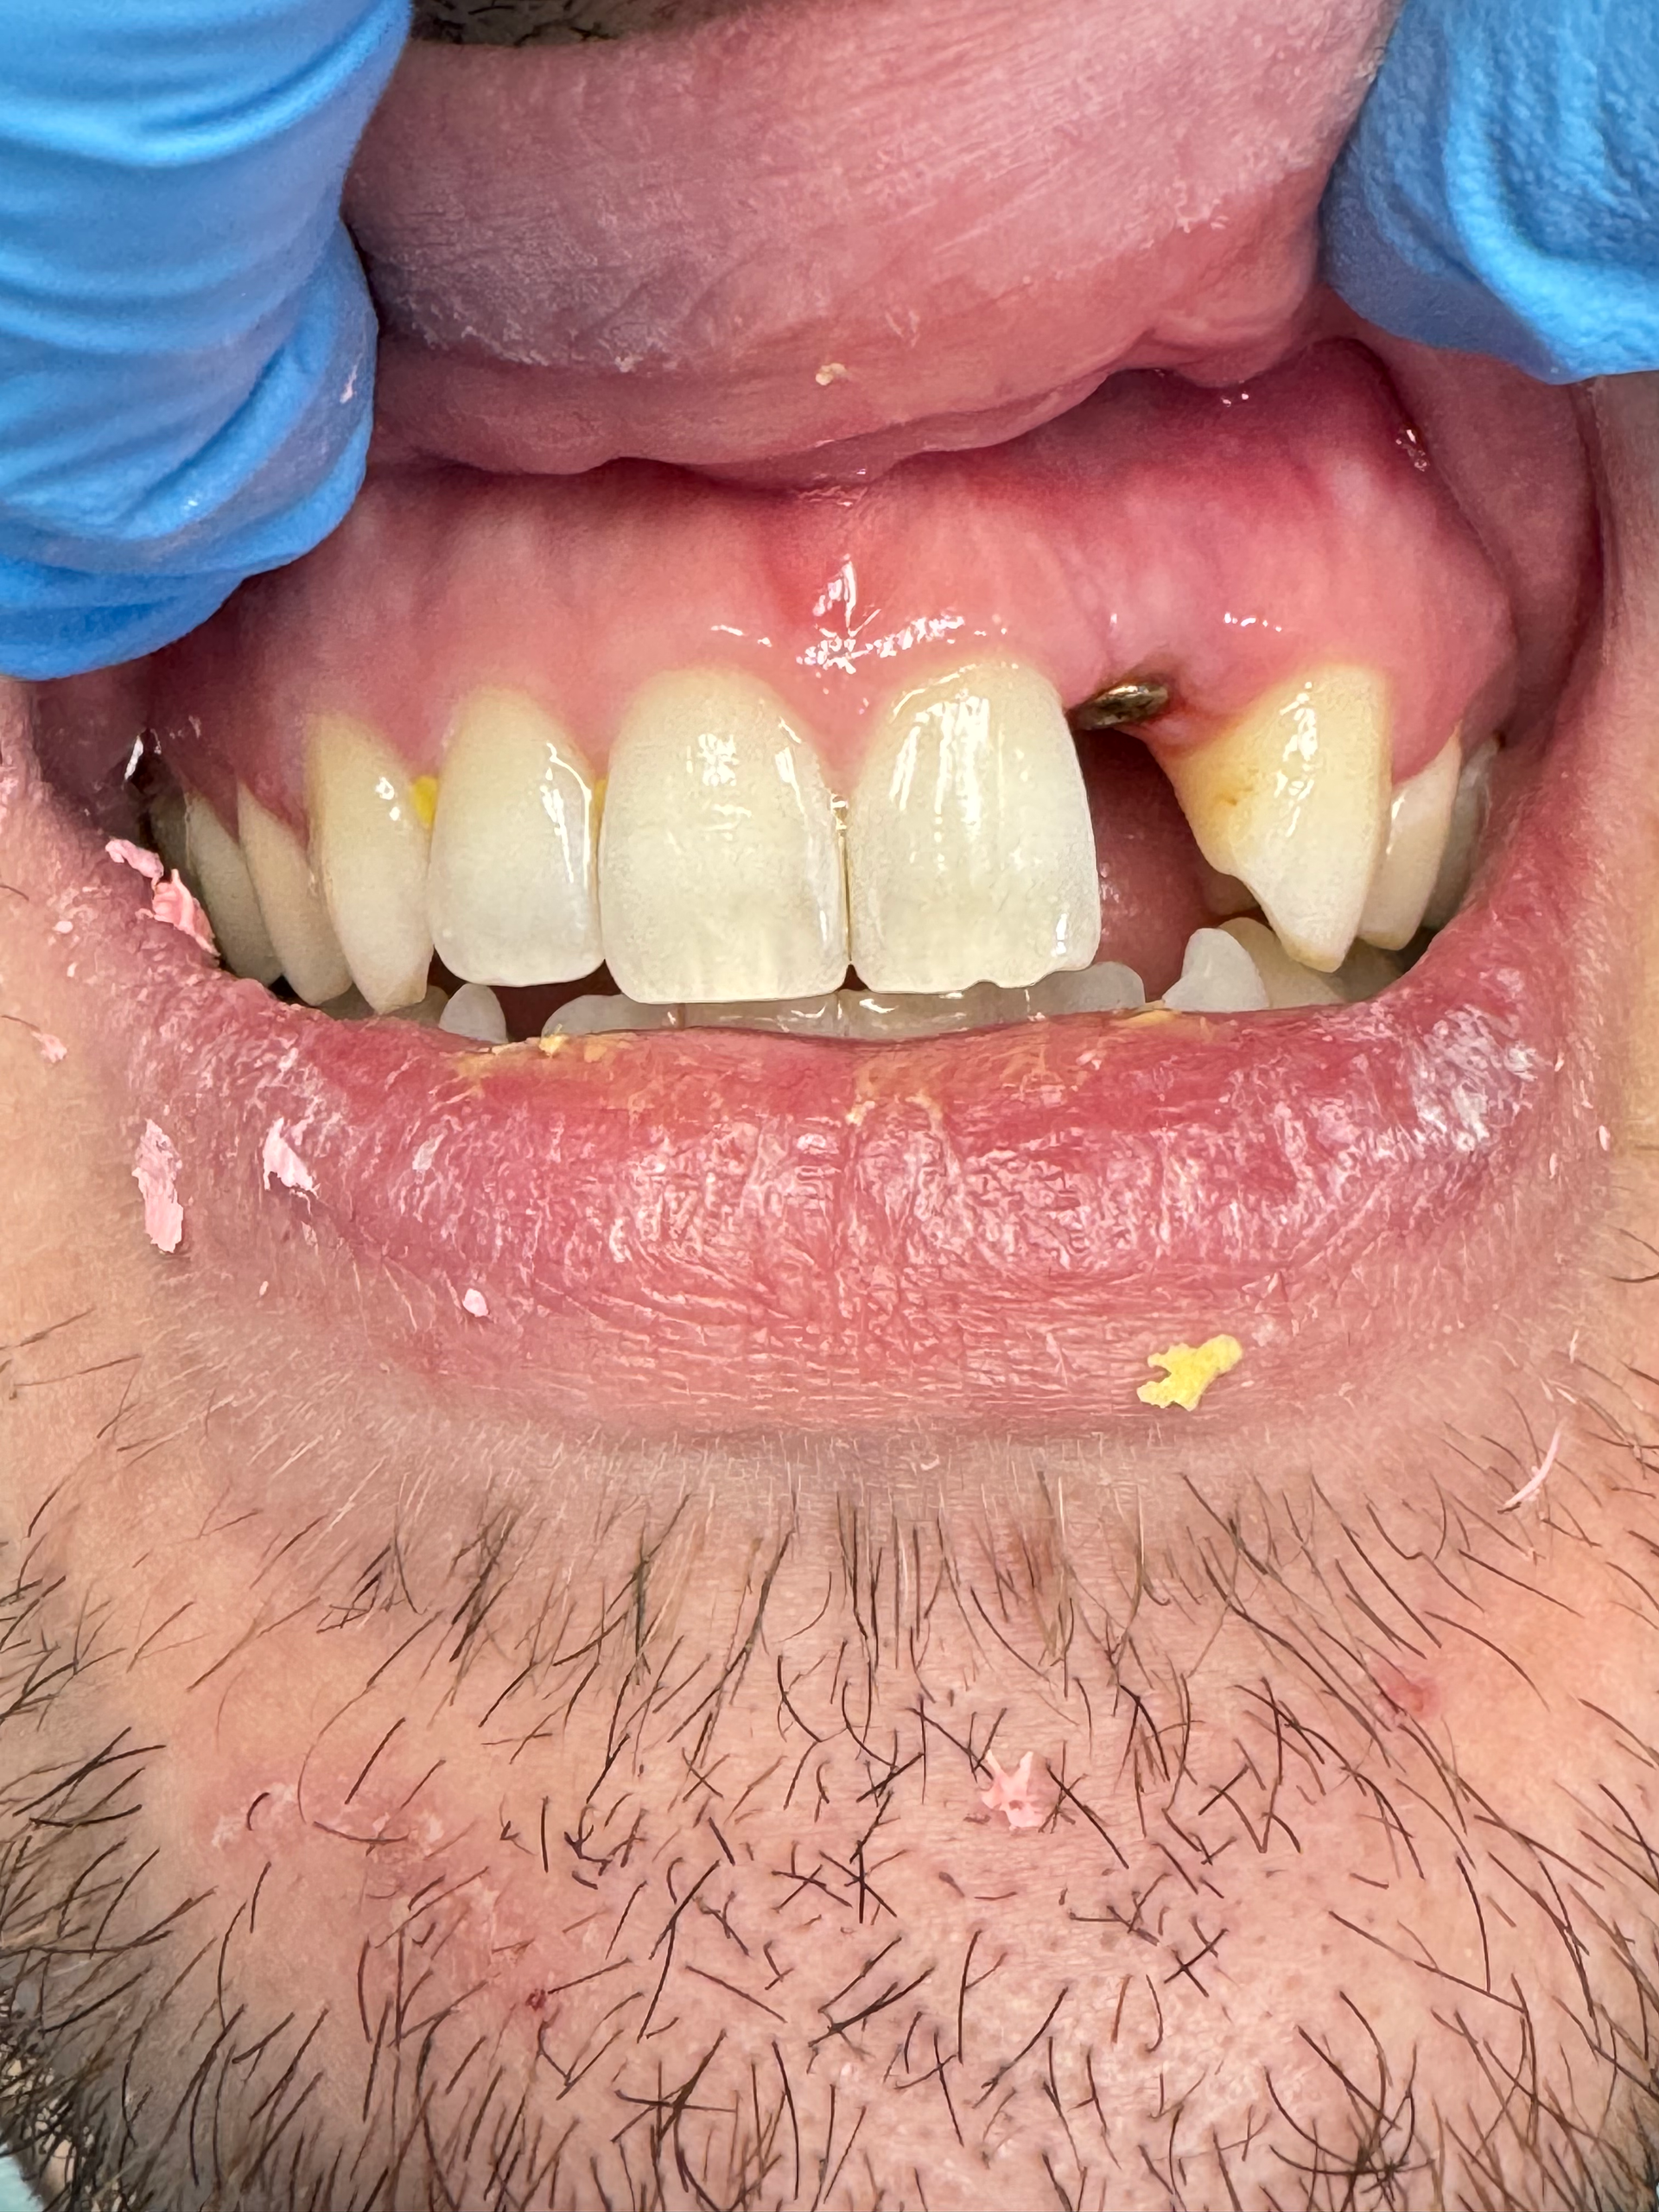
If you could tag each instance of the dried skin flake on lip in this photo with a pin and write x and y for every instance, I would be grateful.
(1010, 1794)
(280, 1163)
(1189, 1369)
(171, 899)
(476, 1304)
(155, 1170)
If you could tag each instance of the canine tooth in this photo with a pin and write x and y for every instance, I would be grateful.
(475, 1011)
(301, 932)
(1420, 819)
(215, 861)
(1108, 987)
(719, 868)
(369, 845)
(604, 1013)
(512, 886)
(1293, 800)
(970, 855)
(1469, 811)
(1217, 976)
(1286, 981)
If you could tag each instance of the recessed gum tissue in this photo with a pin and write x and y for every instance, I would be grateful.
(1223, 540)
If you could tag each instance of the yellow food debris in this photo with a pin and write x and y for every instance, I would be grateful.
(1189, 1369)
(424, 793)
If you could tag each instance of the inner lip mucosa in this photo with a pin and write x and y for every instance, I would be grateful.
(641, 752)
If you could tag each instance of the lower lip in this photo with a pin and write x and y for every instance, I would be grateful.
(714, 1231)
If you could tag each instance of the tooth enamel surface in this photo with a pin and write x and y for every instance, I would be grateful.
(603, 1014)
(369, 848)
(1469, 811)
(512, 883)
(970, 857)
(1419, 818)
(475, 1011)
(301, 932)
(720, 869)
(213, 859)
(1217, 976)
(1286, 981)
(1107, 988)
(1293, 800)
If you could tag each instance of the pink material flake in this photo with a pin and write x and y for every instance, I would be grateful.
(147, 864)
(173, 903)
(1010, 1794)
(52, 1049)
(155, 1170)
(280, 1163)
(476, 1303)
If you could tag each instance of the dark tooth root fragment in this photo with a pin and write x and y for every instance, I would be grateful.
(1118, 704)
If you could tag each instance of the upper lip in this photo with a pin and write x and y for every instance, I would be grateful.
(836, 232)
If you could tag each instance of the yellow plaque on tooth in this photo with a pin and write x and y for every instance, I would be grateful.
(1189, 1369)
(423, 791)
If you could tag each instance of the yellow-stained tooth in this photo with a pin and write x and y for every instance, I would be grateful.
(369, 849)
(1419, 816)
(513, 888)
(1293, 800)
(302, 934)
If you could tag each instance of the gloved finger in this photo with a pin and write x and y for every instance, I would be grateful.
(186, 340)
(1500, 191)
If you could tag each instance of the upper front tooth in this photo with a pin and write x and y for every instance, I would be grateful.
(1419, 816)
(970, 855)
(512, 887)
(720, 871)
(1469, 811)
(226, 888)
(369, 845)
(1294, 799)
(302, 934)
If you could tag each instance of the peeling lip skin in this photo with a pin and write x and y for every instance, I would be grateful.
(716, 1232)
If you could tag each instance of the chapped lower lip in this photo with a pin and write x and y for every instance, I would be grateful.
(719, 1231)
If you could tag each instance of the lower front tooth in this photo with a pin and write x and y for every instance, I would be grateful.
(369, 844)
(970, 855)
(214, 859)
(1293, 800)
(1469, 811)
(301, 932)
(1217, 976)
(720, 870)
(513, 888)
(1419, 817)
(1286, 981)
(475, 1011)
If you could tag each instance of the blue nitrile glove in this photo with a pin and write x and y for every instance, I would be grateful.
(1500, 191)
(187, 347)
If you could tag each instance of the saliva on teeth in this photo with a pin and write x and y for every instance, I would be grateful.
(723, 882)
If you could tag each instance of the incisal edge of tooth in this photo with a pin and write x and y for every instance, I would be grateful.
(369, 847)
(1469, 811)
(1293, 800)
(1419, 818)
(970, 855)
(512, 883)
(1286, 981)
(226, 888)
(301, 932)
(719, 868)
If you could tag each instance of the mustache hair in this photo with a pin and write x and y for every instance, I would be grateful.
(556, 23)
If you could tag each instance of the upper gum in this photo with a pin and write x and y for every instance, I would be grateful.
(1116, 540)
